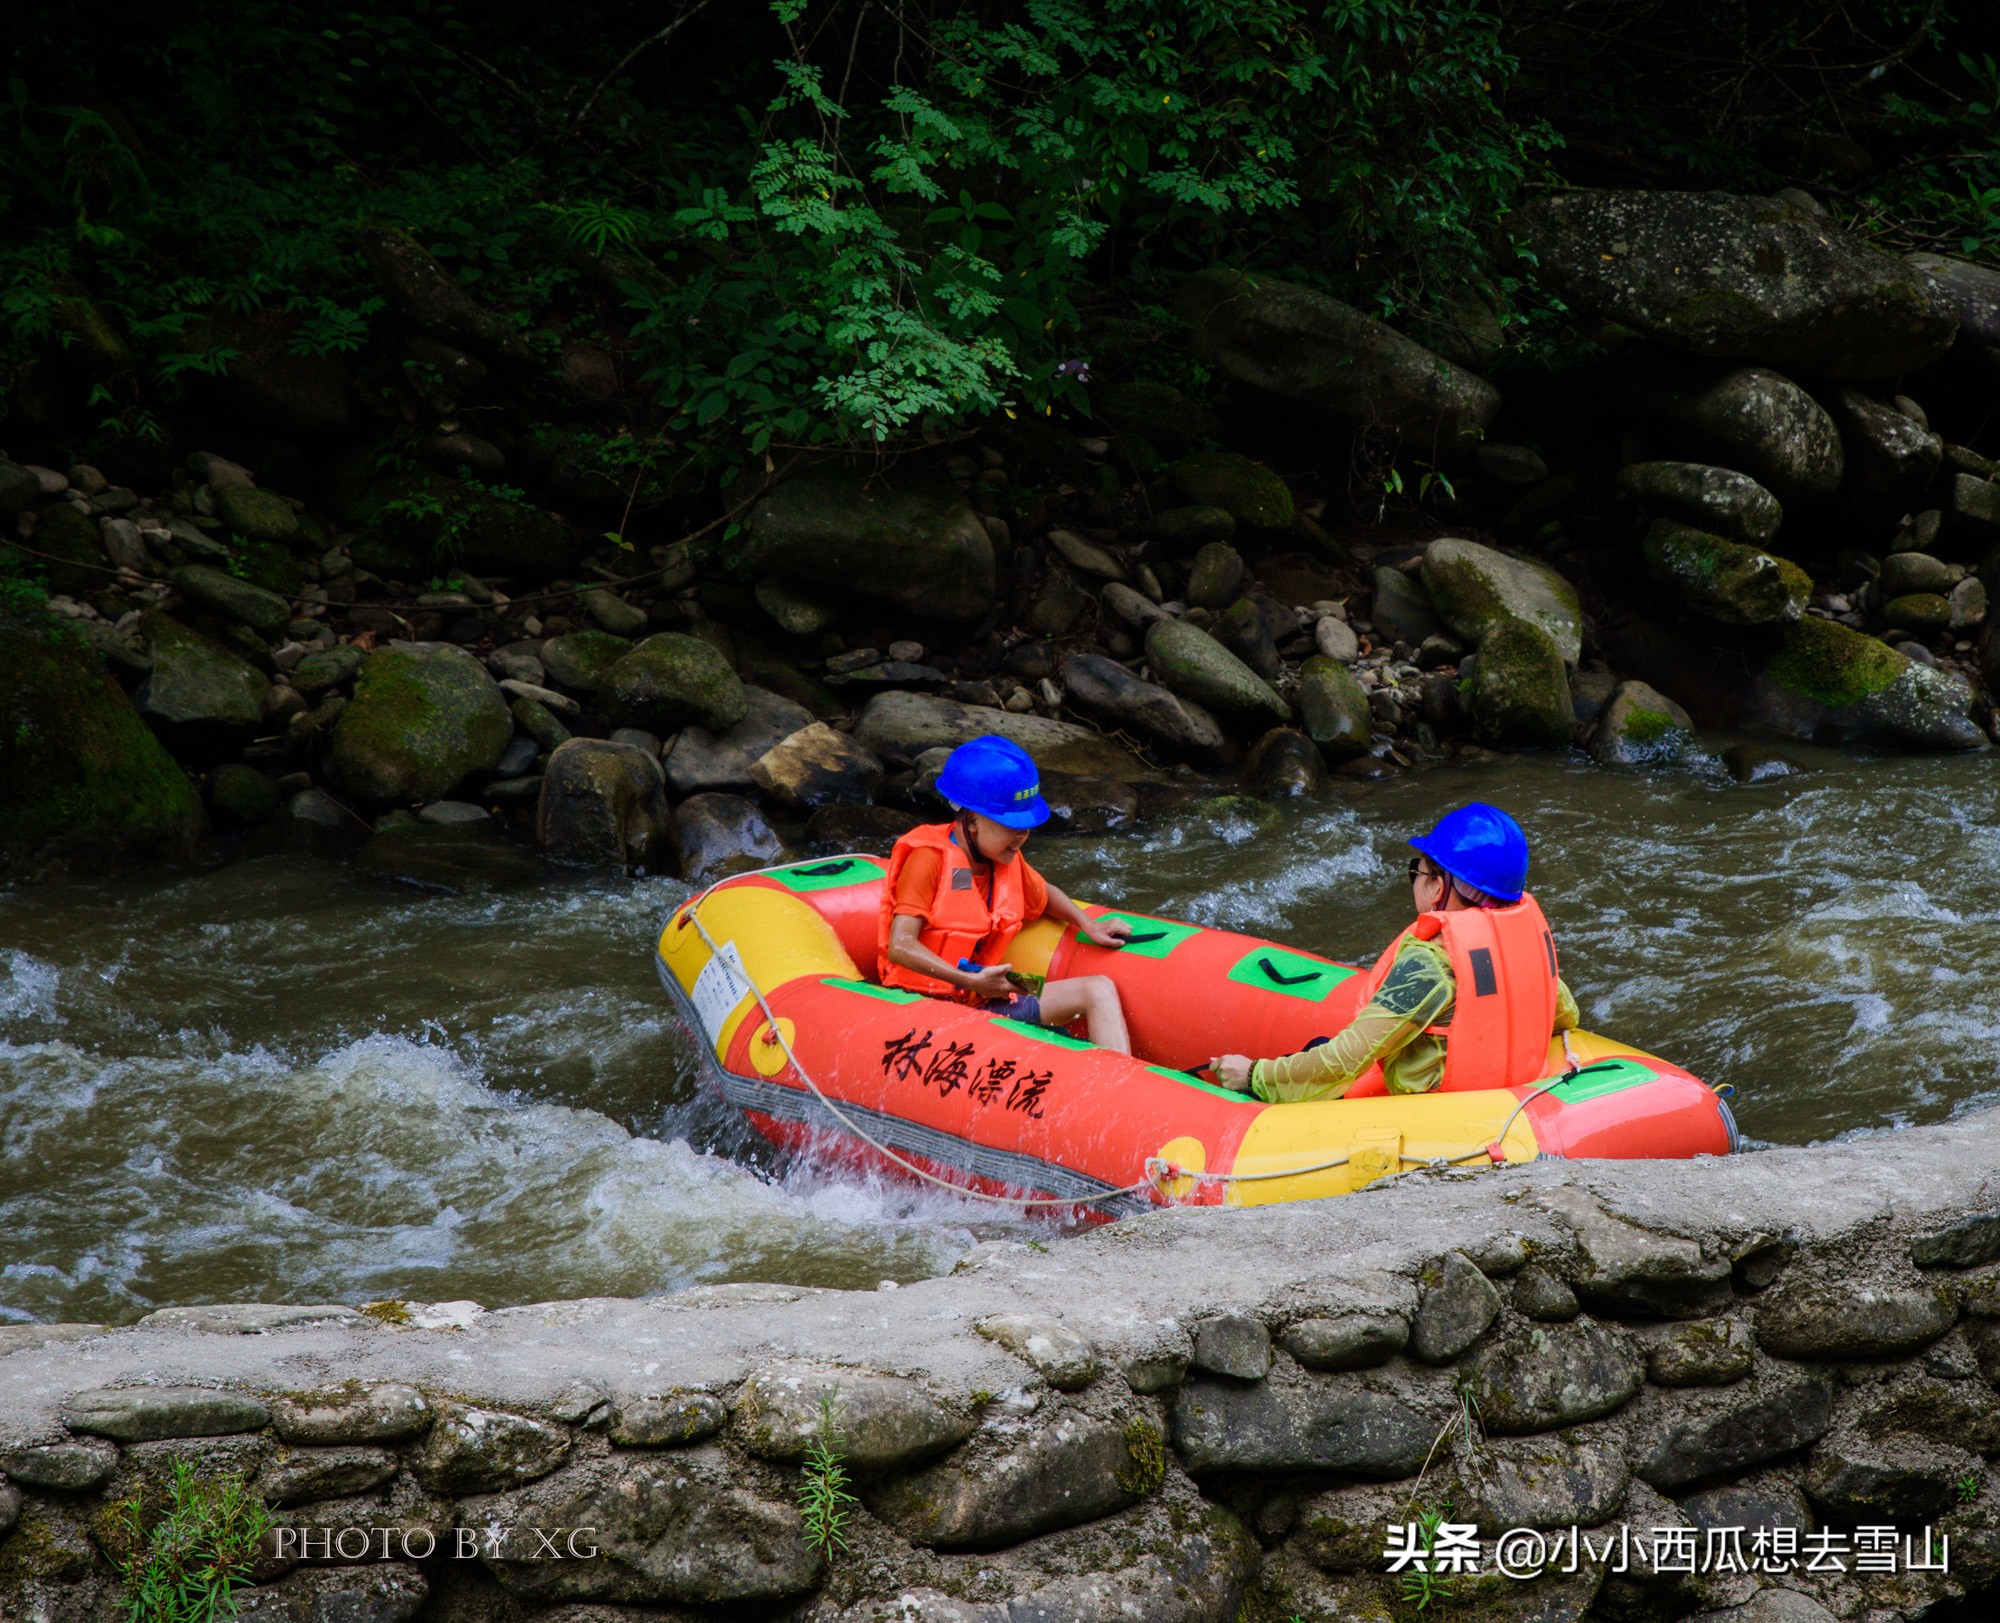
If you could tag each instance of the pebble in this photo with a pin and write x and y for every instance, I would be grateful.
(452, 813)
(1020, 701)
(906, 650)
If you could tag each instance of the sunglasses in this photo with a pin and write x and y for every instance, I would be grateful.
(1419, 871)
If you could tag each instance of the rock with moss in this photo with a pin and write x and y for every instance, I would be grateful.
(671, 681)
(73, 561)
(1972, 290)
(1921, 612)
(83, 781)
(1250, 493)
(1520, 689)
(919, 549)
(242, 793)
(1333, 706)
(1188, 661)
(583, 659)
(424, 718)
(1739, 278)
(1752, 419)
(223, 594)
(258, 515)
(1727, 581)
(1107, 693)
(604, 805)
(1718, 500)
(326, 669)
(1641, 726)
(1332, 363)
(196, 686)
(1476, 588)
(1829, 682)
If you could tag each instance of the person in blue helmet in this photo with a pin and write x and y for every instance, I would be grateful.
(1467, 997)
(956, 894)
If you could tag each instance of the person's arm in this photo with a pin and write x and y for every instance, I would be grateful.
(907, 950)
(1419, 990)
(1099, 932)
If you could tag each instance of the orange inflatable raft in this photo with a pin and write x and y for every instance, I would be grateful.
(773, 972)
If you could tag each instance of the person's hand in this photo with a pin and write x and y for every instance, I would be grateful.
(1105, 932)
(991, 982)
(1232, 1071)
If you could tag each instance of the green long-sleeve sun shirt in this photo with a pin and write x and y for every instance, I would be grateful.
(1419, 992)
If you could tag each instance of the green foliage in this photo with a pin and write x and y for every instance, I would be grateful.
(1968, 1488)
(1422, 1588)
(824, 1500)
(187, 1566)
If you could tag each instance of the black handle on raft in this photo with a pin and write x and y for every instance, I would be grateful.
(1585, 1070)
(1150, 935)
(826, 870)
(1277, 979)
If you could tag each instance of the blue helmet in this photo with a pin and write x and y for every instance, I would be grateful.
(1480, 846)
(996, 778)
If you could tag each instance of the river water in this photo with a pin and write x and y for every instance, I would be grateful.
(284, 1080)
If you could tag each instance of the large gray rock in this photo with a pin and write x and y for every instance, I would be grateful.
(1401, 609)
(1476, 588)
(328, 668)
(682, 1529)
(583, 659)
(387, 1592)
(1829, 682)
(1846, 1321)
(880, 1422)
(1966, 1244)
(1069, 1471)
(221, 593)
(354, 1412)
(298, 1476)
(470, 1449)
(1112, 696)
(677, 1419)
(1191, 663)
(1234, 1344)
(1333, 707)
(424, 718)
(907, 724)
(1973, 291)
(1900, 1481)
(1762, 1420)
(262, 515)
(1352, 1341)
(1062, 1357)
(920, 550)
(196, 684)
(817, 766)
(1520, 689)
(1726, 581)
(1543, 1376)
(1333, 363)
(1629, 1269)
(1891, 458)
(1308, 1423)
(1542, 1483)
(144, 1414)
(1752, 419)
(1641, 726)
(604, 805)
(76, 1465)
(1739, 278)
(1719, 500)
(716, 834)
(699, 760)
(1457, 1305)
(671, 681)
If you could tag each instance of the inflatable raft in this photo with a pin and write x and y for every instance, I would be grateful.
(773, 972)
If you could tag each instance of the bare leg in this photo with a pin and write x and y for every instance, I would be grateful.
(1095, 997)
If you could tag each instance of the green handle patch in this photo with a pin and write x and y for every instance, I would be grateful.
(836, 873)
(1293, 974)
(1151, 938)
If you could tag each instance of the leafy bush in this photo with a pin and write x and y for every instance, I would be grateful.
(186, 1566)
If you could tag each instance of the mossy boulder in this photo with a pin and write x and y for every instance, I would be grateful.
(196, 685)
(1719, 500)
(1739, 278)
(1520, 688)
(242, 793)
(1334, 708)
(582, 659)
(1476, 589)
(671, 681)
(1641, 726)
(1250, 493)
(76, 562)
(423, 719)
(1917, 611)
(328, 668)
(1332, 363)
(83, 781)
(423, 523)
(1188, 661)
(919, 549)
(1725, 580)
(1829, 682)
(222, 593)
(257, 515)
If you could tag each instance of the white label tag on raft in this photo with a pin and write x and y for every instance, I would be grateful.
(720, 986)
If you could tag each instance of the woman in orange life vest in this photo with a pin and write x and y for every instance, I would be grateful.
(1476, 927)
(957, 894)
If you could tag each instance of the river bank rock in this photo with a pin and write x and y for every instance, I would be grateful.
(1332, 363)
(221, 593)
(1973, 291)
(1520, 689)
(1254, 497)
(196, 689)
(1476, 588)
(816, 766)
(424, 718)
(1752, 419)
(921, 550)
(1191, 663)
(83, 781)
(717, 834)
(1891, 458)
(1107, 693)
(1641, 726)
(604, 805)
(1829, 682)
(1725, 580)
(582, 659)
(699, 760)
(1739, 278)
(1718, 500)
(672, 681)
(1333, 707)
(906, 724)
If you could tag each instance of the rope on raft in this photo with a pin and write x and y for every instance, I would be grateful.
(1159, 1172)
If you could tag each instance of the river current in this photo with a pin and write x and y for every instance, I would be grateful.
(284, 1080)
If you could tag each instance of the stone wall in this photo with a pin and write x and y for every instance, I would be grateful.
(1199, 1415)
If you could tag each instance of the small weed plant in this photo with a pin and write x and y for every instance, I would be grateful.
(824, 1499)
(1968, 1487)
(187, 1566)
(1423, 1588)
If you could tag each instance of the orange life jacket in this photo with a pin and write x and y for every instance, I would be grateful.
(961, 925)
(1504, 961)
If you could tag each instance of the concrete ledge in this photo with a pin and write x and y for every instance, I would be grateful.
(1175, 1417)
